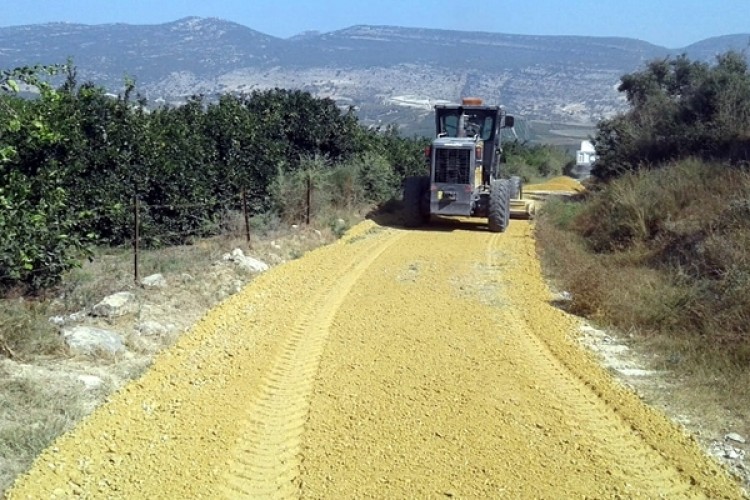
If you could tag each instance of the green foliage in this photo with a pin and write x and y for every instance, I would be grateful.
(39, 237)
(678, 108)
(73, 161)
(376, 178)
(561, 212)
(534, 161)
(365, 179)
(664, 250)
(405, 154)
(290, 188)
(641, 208)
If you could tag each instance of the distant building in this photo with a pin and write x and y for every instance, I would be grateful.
(586, 155)
(585, 158)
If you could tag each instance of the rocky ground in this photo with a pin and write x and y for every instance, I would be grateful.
(121, 326)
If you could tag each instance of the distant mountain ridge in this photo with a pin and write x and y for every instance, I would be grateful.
(381, 69)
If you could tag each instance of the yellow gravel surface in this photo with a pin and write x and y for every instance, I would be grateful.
(392, 364)
(556, 184)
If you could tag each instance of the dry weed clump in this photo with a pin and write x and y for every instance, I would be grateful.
(25, 329)
(32, 413)
(664, 253)
(673, 241)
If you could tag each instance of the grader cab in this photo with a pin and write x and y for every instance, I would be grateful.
(465, 177)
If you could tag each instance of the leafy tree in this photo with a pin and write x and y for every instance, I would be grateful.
(678, 108)
(73, 161)
(532, 161)
(38, 236)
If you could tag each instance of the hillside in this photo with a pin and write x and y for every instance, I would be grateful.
(391, 74)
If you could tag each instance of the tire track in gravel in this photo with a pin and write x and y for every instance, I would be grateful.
(634, 443)
(448, 373)
(265, 463)
(180, 430)
(431, 368)
(611, 441)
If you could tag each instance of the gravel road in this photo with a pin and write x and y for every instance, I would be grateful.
(392, 364)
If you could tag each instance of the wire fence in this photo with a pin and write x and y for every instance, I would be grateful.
(145, 223)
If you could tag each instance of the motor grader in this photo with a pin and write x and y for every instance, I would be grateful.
(465, 169)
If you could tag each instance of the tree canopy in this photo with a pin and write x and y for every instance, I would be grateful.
(73, 160)
(678, 108)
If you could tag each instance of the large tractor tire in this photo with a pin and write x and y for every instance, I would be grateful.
(516, 188)
(416, 205)
(499, 215)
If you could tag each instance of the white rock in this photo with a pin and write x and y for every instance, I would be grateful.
(117, 304)
(590, 330)
(91, 382)
(295, 226)
(318, 233)
(154, 281)
(253, 265)
(612, 349)
(245, 262)
(57, 320)
(150, 328)
(77, 317)
(275, 245)
(634, 372)
(87, 340)
(71, 318)
(733, 436)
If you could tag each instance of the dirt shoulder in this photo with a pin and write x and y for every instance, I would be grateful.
(44, 396)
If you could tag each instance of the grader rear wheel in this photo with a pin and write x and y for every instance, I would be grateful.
(499, 210)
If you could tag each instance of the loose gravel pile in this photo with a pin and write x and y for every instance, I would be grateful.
(556, 184)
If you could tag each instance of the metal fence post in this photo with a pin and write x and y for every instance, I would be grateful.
(136, 237)
(247, 217)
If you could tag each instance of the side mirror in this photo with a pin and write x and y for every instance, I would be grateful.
(508, 122)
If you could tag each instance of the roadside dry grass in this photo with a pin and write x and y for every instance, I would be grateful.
(661, 257)
(33, 411)
(42, 386)
(616, 293)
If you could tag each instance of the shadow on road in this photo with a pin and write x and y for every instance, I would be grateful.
(394, 218)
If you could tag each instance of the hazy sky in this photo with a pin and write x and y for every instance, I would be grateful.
(670, 23)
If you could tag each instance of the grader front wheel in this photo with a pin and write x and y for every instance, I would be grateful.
(416, 206)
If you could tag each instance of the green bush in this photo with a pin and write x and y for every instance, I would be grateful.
(663, 250)
(376, 178)
(678, 109)
(562, 212)
(533, 161)
(73, 162)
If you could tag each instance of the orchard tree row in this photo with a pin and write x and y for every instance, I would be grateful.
(74, 159)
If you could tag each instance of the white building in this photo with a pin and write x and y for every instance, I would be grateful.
(586, 155)
(585, 158)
